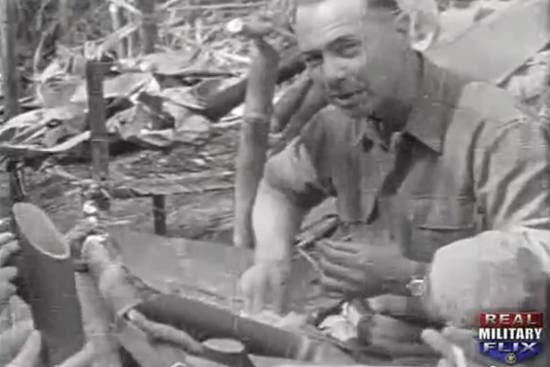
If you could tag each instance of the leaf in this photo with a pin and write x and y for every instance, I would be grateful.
(121, 86)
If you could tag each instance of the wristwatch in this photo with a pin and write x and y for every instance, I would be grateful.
(418, 284)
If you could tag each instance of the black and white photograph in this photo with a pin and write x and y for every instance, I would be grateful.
(274, 183)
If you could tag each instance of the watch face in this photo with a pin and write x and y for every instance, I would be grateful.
(416, 287)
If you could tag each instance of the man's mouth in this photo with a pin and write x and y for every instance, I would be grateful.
(346, 99)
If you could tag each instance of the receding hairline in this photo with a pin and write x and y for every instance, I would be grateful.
(390, 5)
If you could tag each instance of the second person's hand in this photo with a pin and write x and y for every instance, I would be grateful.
(8, 247)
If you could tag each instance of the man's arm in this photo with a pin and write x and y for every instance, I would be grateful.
(502, 267)
(288, 190)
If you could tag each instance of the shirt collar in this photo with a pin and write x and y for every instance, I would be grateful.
(430, 114)
(434, 108)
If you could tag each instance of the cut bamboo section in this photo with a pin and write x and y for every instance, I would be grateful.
(49, 280)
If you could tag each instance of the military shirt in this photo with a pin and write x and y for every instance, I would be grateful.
(472, 164)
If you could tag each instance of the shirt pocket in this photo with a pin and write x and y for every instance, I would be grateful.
(436, 222)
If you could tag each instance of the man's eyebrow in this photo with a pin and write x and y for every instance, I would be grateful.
(343, 39)
(311, 53)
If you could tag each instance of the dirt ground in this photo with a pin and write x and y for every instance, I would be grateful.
(205, 216)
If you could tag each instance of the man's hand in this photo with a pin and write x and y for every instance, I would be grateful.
(261, 280)
(363, 270)
(8, 247)
(458, 348)
(29, 355)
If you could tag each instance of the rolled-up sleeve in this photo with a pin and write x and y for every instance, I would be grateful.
(298, 170)
(504, 266)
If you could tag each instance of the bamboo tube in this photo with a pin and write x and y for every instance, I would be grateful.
(253, 140)
(49, 278)
(227, 351)
(258, 338)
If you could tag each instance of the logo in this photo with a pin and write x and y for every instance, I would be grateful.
(510, 338)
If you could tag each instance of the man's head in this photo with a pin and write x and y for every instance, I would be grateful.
(357, 49)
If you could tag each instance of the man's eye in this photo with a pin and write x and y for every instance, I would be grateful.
(349, 49)
(313, 61)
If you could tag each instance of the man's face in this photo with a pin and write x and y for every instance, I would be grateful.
(356, 53)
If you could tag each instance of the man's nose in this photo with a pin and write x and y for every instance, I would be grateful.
(334, 70)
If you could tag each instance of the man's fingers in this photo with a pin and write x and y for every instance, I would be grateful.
(441, 345)
(30, 353)
(389, 304)
(165, 333)
(7, 250)
(341, 287)
(462, 337)
(84, 358)
(337, 250)
(6, 237)
(7, 274)
(399, 306)
(13, 339)
(380, 327)
(337, 271)
(444, 363)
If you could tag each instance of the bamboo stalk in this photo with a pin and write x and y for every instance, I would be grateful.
(258, 338)
(96, 119)
(221, 103)
(97, 319)
(252, 152)
(117, 20)
(289, 104)
(10, 81)
(49, 277)
(149, 31)
(312, 103)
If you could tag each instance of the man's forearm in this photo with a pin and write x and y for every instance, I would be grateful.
(276, 220)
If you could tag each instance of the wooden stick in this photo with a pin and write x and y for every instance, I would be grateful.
(96, 119)
(253, 140)
(148, 26)
(159, 214)
(49, 277)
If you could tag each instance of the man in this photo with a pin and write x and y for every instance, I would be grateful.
(442, 183)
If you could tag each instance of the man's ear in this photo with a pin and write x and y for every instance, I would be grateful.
(421, 27)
